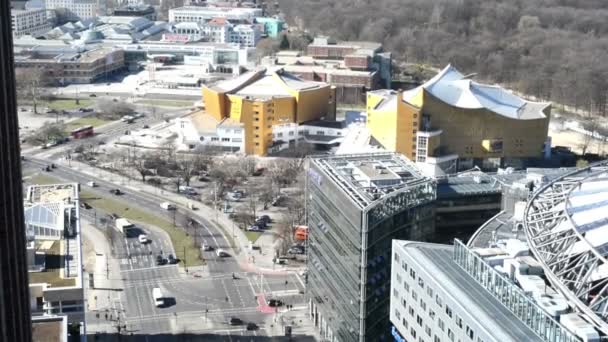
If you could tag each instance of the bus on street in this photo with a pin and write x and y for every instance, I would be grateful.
(82, 132)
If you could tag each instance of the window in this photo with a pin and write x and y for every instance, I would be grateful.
(225, 139)
(406, 286)
(404, 266)
(411, 311)
(419, 320)
(398, 277)
(436, 339)
(215, 139)
(458, 321)
(405, 324)
(422, 304)
(420, 282)
(414, 295)
(412, 273)
(413, 332)
(395, 293)
(429, 291)
(427, 329)
(448, 311)
(237, 140)
(470, 333)
(438, 301)
(441, 324)
(450, 334)
(397, 314)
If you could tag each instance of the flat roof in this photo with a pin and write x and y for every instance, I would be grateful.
(52, 193)
(436, 262)
(348, 170)
(49, 329)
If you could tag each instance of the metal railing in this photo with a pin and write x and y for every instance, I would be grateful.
(511, 296)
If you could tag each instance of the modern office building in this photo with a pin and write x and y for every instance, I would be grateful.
(15, 318)
(29, 21)
(264, 98)
(357, 204)
(534, 272)
(272, 26)
(453, 122)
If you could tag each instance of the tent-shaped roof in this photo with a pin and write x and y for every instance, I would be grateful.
(453, 88)
(44, 215)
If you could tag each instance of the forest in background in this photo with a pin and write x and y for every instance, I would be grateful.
(554, 50)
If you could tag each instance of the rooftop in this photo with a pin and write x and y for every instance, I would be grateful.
(436, 261)
(52, 193)
(325, 124)
(367, 178)
(266, 83)
(456, 89)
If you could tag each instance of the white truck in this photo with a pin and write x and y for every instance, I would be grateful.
(122, 225)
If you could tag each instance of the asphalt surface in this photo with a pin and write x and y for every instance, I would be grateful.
(198, 302)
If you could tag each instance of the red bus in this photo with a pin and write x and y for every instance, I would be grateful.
(82, 132)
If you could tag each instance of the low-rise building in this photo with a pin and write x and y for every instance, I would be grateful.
(272, 26)
(453, 123)
(136, 10)
(29, 21)
(67, 66)
(77, 9)
(217, 30)
(267, 97)
(54, 251)
(206, 13)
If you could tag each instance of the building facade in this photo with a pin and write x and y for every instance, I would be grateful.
(357, 205)
(15, 318)
(73, 67)
(451, 119)
(137, 10)
(265, 98)
(272, 26)
(78, 9)
(438, 293)
(203, 13)
(32, 22)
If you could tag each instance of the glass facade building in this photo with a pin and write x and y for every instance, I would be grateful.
(357, 204)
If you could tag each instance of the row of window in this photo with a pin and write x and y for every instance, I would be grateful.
(423, 305)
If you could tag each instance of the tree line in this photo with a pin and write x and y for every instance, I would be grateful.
(554, 50)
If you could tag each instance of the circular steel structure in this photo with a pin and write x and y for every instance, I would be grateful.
(566, 225)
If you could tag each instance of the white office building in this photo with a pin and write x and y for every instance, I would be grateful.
(202, 14)
(204, 131)
(245, 35)
(29, 21)
(78, 9)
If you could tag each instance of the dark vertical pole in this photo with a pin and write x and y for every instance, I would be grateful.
(15, 316)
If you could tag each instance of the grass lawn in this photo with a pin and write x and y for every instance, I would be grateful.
(68, 104)
(89, 120)
(42, 178)
(178, 236)
(167, 103)
(253, 236)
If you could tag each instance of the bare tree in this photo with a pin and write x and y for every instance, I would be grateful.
(139, 163)
(111, 110)
(48, 132)
(29, 84)
(590, 126)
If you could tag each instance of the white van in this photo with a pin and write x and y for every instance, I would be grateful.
(167, 206)
(221, 253)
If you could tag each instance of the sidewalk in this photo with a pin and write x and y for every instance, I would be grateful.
(258, 261)
(108, 282)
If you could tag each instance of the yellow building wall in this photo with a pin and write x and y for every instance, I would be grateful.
(234, 107)
(312, 104)
(464, 131)
(394, 129)
(215, 103)
(246, 117)
(284, 109)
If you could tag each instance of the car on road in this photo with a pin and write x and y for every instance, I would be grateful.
(295, 250)
(167, 206)
(265, 218)
(172, 260)
(138, 115)
(146, 126)
(253, 228)
(92, 95)
(160, 260)
(46, 168)
(143, 239)
(206, 247)
(252, 326)
(92, 184)
(275, 303)
(221, 253)
(261, 223)
(116, 192)
(235, 321)
(85, 205)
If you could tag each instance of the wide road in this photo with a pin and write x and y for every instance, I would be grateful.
(200, 302)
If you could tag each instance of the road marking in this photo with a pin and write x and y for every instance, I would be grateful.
(146, 268)
(300, 280)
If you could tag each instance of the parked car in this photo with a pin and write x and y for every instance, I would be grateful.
(172, 260)
(160, 260)
(252, 326)
(46, 168)
(143, 239)
(221, 253)
(235, 321)
(265, 218)
(116, 192)
(92, 95)
(275, 303)
(85, 205)
(92, 184)
(146, 126)
(253, 228)
(294, 250)
(206, 247)
(261, 223)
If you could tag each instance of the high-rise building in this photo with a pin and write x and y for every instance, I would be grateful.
(29, 21)
(356, 205)
(15, 320)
